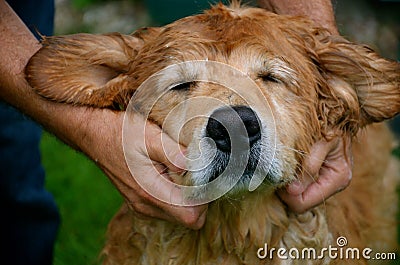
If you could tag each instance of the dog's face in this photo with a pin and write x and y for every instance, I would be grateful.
(275, 132)
(299, 85)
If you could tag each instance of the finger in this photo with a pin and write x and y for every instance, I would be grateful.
(311, 167)
(168, 199)
(335, 175)
(337, 169)
(146, 204)
(145, 183)
(145, 210)
(193, 217)
(163, 149)
(190, 216)
(316, 193)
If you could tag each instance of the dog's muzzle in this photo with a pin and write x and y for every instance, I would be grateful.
(236, 132)
(225, 128)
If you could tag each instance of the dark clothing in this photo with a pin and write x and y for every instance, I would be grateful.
(30, 218)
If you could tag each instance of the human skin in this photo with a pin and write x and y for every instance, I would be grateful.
(320, 11)
(95, 132)
(328, 167)
(98, 133)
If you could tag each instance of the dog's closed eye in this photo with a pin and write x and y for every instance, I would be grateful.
(277, 70)
(269, 77)
(184, 86)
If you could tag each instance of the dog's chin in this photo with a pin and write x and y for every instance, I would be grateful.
(242, 186)
(233, 177)
(237, 172)
(234, 186)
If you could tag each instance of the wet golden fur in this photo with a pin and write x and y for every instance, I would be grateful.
(334, 84)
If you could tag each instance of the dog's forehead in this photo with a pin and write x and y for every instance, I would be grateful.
(224, 25)
(252, 40)
(222, 32)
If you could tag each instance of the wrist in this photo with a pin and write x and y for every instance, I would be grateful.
(319, 11)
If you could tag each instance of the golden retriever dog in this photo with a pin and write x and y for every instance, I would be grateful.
(310, 84)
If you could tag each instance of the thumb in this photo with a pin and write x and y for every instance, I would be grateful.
(162, 148)
(312, 166)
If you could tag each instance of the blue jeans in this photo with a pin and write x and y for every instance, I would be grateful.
(29, 216)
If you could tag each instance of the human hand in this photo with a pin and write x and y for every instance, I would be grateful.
(95, 132)
(320, 11)
(327, 170)
(103, 144)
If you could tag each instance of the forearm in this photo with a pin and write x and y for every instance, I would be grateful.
(320, 11)
(70, 123)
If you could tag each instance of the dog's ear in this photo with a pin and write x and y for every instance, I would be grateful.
(363, 85)
(83, 69)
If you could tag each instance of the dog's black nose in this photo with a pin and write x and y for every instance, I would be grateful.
(238, 126)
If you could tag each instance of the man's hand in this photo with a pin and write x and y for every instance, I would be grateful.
(320, 11)
(95, 132)
(327, 170)
(103, 143)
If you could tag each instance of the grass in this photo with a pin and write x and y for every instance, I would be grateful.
(86, 199)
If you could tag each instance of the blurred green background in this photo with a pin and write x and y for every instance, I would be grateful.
(86, 198)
